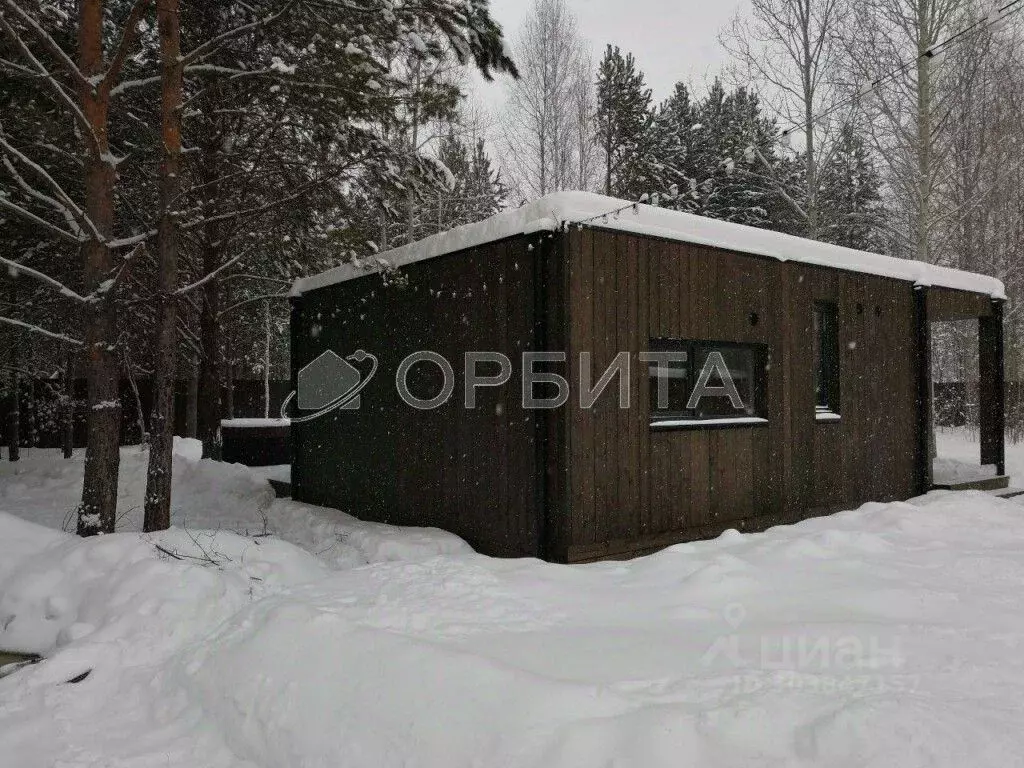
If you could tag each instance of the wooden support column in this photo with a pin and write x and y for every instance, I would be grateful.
(923, 367)
(992, 388)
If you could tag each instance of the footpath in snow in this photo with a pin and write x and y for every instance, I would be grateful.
(886, 636)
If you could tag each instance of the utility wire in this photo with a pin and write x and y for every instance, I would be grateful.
(989, 20)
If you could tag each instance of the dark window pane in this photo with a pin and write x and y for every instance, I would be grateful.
(737, 397)
(717, 380)
(825, 337)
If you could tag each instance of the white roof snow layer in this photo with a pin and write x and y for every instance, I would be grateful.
(549, 212)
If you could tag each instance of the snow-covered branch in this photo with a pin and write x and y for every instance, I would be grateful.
(41, 222)
(265, 278)
(35, 194)
(133, 240)
(244, 302)
(210, 276)
(46, 75)
(128, 85)
(109, 286)
(129, 38)
(67, 206)
(212, 45)
(39, 330)
(257, 209)
(45, 39)
(15, 268)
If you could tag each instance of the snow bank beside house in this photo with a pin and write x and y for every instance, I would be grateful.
(206, 494)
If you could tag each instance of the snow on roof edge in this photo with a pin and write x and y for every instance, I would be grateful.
(549, 212)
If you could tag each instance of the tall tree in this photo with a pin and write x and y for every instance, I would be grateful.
(624, 120)
(850, 196)
(477, 189)
(908, 104)
(83, 90)
(791, 47)
(157, 513)
(541, 117)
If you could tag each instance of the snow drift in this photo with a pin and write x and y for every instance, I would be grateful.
(890, 635)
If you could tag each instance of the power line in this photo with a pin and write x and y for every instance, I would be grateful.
(991, 19)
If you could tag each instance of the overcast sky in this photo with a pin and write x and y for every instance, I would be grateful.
(672, 40)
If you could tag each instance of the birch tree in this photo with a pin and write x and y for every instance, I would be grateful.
(791, 49)
(908, 104)
(540, 122)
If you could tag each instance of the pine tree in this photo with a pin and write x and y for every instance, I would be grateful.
(624, 126)
(477, 190)
(673, 131)
(851, 198)
(712, 154)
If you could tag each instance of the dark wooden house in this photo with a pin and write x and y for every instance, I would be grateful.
(827, 348)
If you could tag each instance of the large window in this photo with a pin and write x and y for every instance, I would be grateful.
(826, 361)
(706, 383)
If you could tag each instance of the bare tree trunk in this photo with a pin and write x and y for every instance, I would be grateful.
(810, 158)
(96, 513)
(266, 360)
(68, 409)
(924, 140)
(230, 370)
(140, 416)
(14, 414)
(192, 400)
(792, 47)
(161, 424)
(209, 415)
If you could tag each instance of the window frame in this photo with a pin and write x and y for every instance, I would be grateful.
(698, 349)
(826, 362)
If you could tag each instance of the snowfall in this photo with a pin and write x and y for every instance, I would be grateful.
(262, 632)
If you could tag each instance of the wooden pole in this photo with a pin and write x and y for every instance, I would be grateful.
(992, 389)
(924, 390)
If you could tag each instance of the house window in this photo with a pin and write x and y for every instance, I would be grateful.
(706, 383)
(826, 361)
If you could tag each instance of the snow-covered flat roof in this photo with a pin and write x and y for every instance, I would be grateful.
(551, 212)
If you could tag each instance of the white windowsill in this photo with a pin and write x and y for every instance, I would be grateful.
(826, 416)
(745, 421)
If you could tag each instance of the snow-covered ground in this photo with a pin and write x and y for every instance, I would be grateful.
(886, 636)
(959, 446)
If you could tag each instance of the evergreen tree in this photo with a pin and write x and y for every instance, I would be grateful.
(732, 130)
(851, 198)
(713, 154)
(673, 133)
(477, 190)
(624, 126)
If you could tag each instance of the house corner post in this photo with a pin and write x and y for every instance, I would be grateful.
(992, 388)
(295, 338)
(923, 368)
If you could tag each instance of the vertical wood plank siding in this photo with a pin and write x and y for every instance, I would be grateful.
(471, 472)
(635, 490)
(573, 484)
(992, 388)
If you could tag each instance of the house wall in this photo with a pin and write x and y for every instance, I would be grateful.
(471, 472)
(632, 489)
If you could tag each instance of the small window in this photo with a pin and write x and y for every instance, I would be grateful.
(706, 383)
(826, 361)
